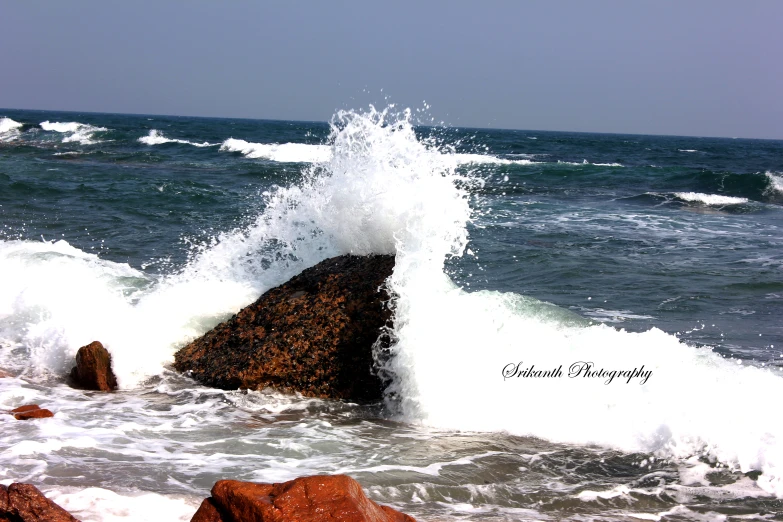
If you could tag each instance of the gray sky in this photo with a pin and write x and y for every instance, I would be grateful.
(706, 68)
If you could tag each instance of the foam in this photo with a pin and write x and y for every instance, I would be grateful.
(282, 152)
(74, 131)
(304, 153)
(585, 162)
(9, 129)
(709, 199)
(155, 137)
(775, 182)
(102, 505)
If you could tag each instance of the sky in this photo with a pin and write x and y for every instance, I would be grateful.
(697, 67)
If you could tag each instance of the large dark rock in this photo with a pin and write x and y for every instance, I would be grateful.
(93, 368)
(312, 335)
(322, 498)
(24, 503)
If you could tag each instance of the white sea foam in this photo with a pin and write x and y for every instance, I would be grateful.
(383, 191)
(775, 180)
(155, 137)
(281, 152)
(74, 131)
(102, 505)
(9, 129)
(688, 150)
(585, 162)
(710, 199)
(304, 153)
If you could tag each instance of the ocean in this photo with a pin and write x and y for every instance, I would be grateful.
(587, 326)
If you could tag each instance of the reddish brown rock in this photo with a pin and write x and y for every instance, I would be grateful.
(24, 503)
(26, 407)
(321, 498)
(312, 335)
(207, 512)
(30, 411)
(93, 368)
(4, 374)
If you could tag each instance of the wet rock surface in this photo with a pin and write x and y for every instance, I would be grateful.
(30, 411)
(25, 503)
(93, 368)
(312, 335)
(306, 499)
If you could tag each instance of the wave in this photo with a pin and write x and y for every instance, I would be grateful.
(687, 150)
(382, 190)
(74, 131)
(709, 199)
(775, 183)
(304, 153)
(282, 152)
(9, 129)
(155, 137)
(585, 162)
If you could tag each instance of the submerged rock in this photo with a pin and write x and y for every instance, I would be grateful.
(306, 499)
(312, 335)
(93, 368)
(30, 411)
(25, 503)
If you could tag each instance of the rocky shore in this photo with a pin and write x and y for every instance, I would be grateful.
(313, 335)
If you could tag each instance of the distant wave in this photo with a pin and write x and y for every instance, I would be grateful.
(74, 131)
(9, 129)
(585, 162)
(687, 150)
(775, 183)
(709, 199)
(281, 152)
(464, 159)
(155, 137)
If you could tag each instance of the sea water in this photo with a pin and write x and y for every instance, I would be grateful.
(585, 324)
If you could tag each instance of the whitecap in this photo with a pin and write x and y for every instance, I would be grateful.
(709, 199)
(155, 137)
(74, 131)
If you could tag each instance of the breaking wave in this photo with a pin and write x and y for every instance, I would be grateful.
(155, 137)
(74, 131)
(9, 129)
(282, 152)
(709, 199)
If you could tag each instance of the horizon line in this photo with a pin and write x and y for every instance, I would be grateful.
(443, 125)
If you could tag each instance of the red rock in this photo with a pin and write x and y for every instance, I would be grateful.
(4, 374)
(24, 503)
(323, 498)
(93, 368)
(27, 407)
(313, 335)
(34, 414)
(207, 512)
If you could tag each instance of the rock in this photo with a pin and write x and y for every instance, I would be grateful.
(4, 374)
(93, 368)
(312, 335)
(207, 512)
(307, 499)
(24, 503)
(30, 411)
